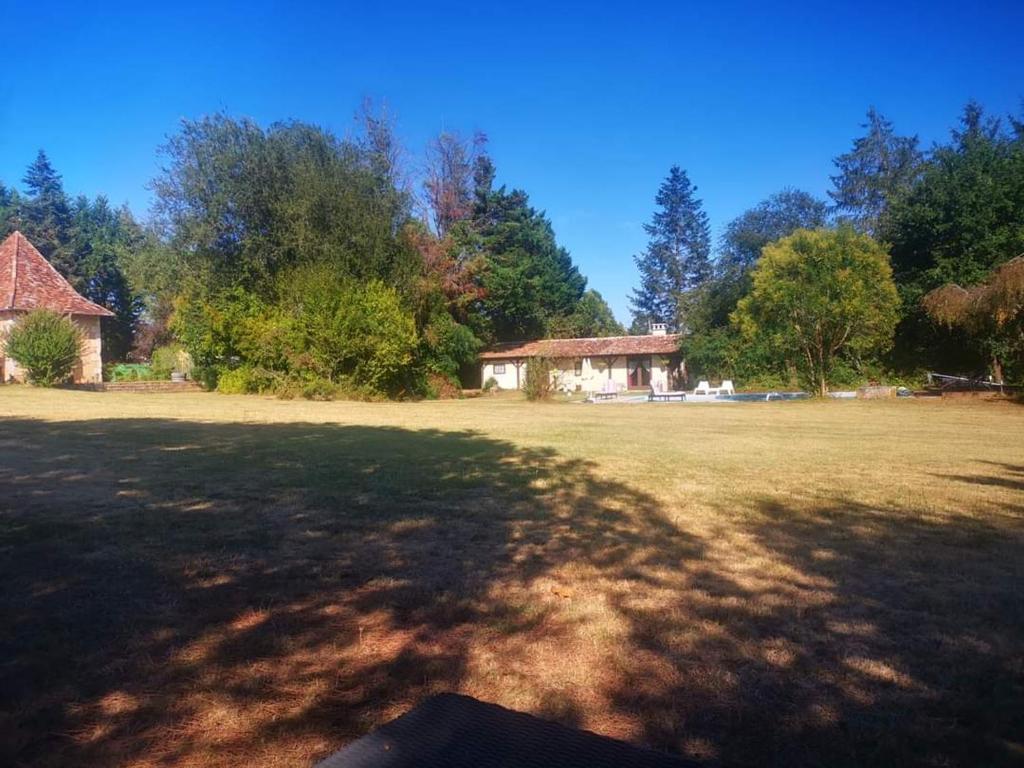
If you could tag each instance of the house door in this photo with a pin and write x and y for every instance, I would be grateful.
(639, 372)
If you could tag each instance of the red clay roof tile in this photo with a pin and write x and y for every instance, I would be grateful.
(607, 346)
(28, 281)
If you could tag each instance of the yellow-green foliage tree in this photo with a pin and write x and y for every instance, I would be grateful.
(820, 296)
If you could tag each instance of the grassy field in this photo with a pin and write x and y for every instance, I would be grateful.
(206, 580)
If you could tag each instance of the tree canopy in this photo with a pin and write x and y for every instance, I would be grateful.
(880, 166)
(245, 209)
(590, 318)
(440, 258)
(962, 218)
(991, 311)
(529, 281)
(85, 240)
(677, 259)
(822, 295)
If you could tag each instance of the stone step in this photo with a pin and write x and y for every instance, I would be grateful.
(140, 386)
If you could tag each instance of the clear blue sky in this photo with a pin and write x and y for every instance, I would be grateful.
(586, 107)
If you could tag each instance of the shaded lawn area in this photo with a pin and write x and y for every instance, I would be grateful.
(205, 580)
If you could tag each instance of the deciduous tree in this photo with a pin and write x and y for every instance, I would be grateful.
(992, 312)
(243, 204)
(776, 217)
(821, 295)
(591, 318)
(449, 182)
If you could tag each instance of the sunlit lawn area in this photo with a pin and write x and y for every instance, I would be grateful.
(211, 580)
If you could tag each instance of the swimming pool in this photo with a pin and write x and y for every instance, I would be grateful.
(761, 397)
(742, 397)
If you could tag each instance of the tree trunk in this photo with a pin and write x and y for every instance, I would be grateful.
(997, 370)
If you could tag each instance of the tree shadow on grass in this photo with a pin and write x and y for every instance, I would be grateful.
(864, 636)
(186, 593)
(181, 593)
(1009, 476)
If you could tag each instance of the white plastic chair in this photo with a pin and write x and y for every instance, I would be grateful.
(702, 388)
(727, 388)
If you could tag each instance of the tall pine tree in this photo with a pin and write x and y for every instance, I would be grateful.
(86, 241)
(529, 280)
(45, 216)
(101, 238)
(9, 201)
(678, 256)
(880, 165)
(961, 219)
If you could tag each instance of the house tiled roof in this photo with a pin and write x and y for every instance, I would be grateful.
(28, 281)
(613, 346)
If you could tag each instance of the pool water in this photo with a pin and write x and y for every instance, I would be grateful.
(743, 397)
(760, 397)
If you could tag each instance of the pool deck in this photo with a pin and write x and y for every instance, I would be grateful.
(740, 397)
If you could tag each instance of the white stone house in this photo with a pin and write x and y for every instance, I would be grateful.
(588, 365)
(27, 282)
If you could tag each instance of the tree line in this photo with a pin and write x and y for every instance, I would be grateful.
(911, 265)
(86, 240)
(287, 259)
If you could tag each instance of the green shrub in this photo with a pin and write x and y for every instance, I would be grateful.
(308, 387)
(46, 345)
(211, 324)
(320, 389)
(447, 346)
(129, 372)
(208, 376)
(722, 353)
(491, 383)
(166, 360)
(767, 381)
(359, 334)
(844, 374)
(359, 338)
(234, 382)
(911, 380)
(247, 380)
(538, 379)
(441, 387)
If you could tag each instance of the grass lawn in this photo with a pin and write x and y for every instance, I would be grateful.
(206, 580)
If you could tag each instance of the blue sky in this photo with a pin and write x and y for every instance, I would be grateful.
(586, 106)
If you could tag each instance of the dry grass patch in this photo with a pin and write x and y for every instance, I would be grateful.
(201, 580)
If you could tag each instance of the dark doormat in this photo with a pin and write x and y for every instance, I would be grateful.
(452, 731)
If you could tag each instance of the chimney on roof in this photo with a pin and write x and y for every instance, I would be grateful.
(658, 329)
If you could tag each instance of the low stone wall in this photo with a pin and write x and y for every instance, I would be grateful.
(140, 386)
(876, 392)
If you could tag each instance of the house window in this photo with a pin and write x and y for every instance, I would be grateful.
(499, 368)
(578, 370)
